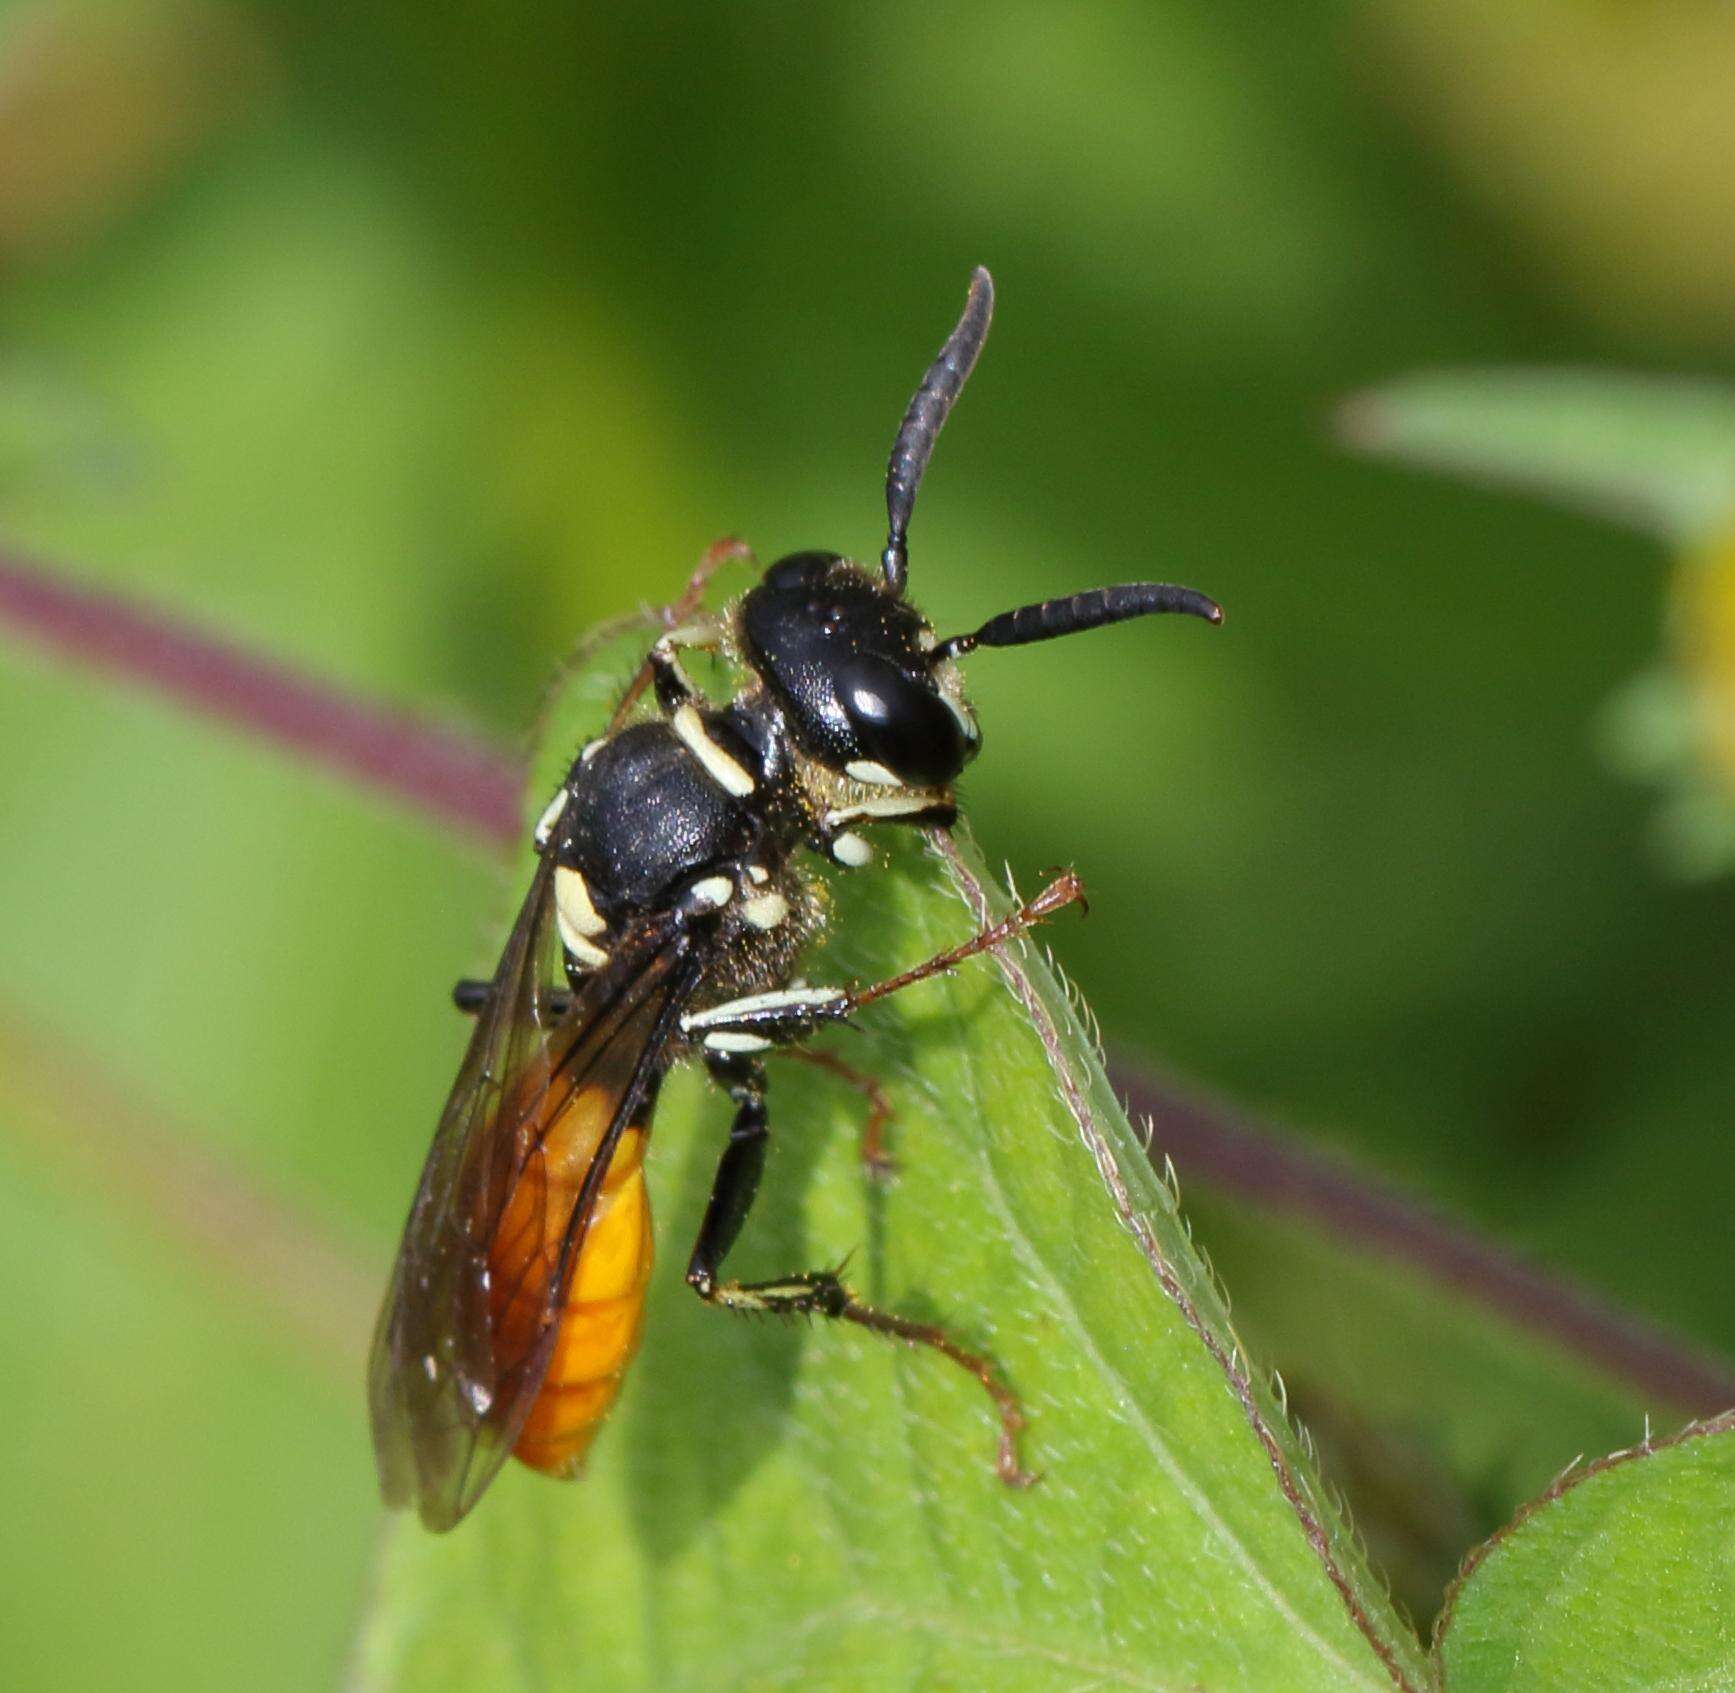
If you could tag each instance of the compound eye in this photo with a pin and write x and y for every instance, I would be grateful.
(902, 722)
(799, 572)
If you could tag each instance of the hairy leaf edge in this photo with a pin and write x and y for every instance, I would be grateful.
(1230, 1360)
(1575, 1475)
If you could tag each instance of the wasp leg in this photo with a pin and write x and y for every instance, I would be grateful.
(817, 1293)
(1066, 889)
(876, 1159)
(674, 687)
(472, 996)
(676, 620)
(729, 550)
(764, 1020)
(761, 1021)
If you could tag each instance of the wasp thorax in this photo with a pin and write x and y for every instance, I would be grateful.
(850, 662)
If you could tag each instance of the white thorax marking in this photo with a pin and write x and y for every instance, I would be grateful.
(849, 848)
(710, 894)
(723, 769)
(765, 911)
(550, 816)
(584, 952)
(577, 918)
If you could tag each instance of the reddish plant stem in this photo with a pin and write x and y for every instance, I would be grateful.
(457, 779)
(260, 1250)
(1213, 1143)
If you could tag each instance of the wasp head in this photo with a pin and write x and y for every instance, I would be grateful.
(865, 687)
(852, 664)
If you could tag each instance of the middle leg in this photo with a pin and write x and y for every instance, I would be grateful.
(760, 1021)
(875, 1155)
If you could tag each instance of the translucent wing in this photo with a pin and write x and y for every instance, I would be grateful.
(457, 1362)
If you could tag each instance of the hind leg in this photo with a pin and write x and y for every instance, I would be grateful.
(815, 1293)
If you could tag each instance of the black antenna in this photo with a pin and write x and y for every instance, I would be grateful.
(1094, 608)
(924, 420)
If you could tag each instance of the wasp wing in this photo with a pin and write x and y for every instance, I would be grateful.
(450, 1381)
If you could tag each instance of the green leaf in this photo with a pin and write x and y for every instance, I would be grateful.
(1436, 1412)
(1653, 452)
(1619, 1578)
(176, 1327)
(804, 1507)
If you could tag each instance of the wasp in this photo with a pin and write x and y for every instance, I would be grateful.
(673, 898)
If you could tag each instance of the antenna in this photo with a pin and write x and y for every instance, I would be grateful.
(924, 420)
(1047, 620)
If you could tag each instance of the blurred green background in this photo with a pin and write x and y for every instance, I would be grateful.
(404, 342)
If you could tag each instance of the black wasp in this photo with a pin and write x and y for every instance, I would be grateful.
(670, 905)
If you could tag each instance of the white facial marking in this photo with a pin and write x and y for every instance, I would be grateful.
(852, 850)
(589, 751)
(711, 893)
(728, 1040)
(888, 805)
(866, 770)
(966, 722)
(758, 875)
(765, 911)
(725, 771)
(550, 816)
(572, 902)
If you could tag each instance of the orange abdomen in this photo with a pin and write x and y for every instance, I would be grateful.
(604, 1308)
